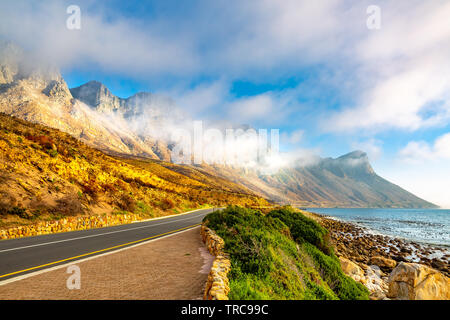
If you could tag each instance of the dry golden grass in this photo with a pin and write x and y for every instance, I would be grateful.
(46, 174)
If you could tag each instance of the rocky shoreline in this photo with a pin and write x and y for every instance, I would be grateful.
(389, 267)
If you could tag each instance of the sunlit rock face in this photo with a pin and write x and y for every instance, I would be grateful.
(35, 91)
(413, 281)
(151, 117)
(96, 95)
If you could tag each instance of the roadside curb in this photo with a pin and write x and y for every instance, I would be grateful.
(217, 285)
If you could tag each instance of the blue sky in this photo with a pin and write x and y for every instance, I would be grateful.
(312, 69)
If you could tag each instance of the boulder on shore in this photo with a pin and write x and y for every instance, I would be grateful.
(351, 269)
(374, 283)
(369, 276)
(413, 281)
(382, 262)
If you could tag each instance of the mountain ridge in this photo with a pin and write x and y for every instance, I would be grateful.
(339, 182)
(38, 93)
(138, 126)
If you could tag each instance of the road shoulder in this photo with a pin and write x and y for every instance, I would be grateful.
(173, 267)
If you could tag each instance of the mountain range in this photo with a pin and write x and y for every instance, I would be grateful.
(137, 127)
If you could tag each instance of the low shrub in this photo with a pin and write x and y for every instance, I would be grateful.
(21, 212)
(280, 255)
(44, 141)
(126, 203)
(166, 204)
(52, 153)
(304, 229)
(69, 205)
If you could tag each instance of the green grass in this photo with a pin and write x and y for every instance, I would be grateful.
(281, 255)
(144, 209)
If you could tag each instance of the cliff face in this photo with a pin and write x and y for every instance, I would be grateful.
(36, 92)
(150, 116)
(99, 98)
(96, 95)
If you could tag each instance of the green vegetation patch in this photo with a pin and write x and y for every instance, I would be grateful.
(281, 255)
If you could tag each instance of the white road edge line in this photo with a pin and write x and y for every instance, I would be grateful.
(32, 274)
(178, 214)
(94, 235)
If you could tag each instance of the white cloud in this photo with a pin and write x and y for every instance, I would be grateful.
(402, 100)
(442, 146)
(294, 159)
(293, 137)
(423, 168)
(269, 108)
(273, 34)
(416, 151)
(405, 68)
(201, 98)
(239, 39)
(215, 102)
(116, 45)
(421, 151)
(426, 180)
(371, 146)
(253, 108)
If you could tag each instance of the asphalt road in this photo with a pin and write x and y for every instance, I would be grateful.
(30, 254)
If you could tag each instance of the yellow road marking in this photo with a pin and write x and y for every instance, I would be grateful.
(98, 251)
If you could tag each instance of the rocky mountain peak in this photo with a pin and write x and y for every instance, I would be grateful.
(58, 91)
(355, 164)
(94, 85)
(141, 95)
(145, 105)
(358, 154)
(98, 96)
(24, 71)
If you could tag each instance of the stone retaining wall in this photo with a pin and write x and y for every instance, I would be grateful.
(217, 285)
(68, 224)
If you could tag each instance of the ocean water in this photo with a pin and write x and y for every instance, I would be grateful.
(427, 226)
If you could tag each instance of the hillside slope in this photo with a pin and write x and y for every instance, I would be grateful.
(48, 174)
(348, 181)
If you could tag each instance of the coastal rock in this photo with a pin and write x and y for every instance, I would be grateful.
(351, 269)
(365, 248)
(413, 281)
(438, 264)
(374, 283)
(383, 262)
(369, 276)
